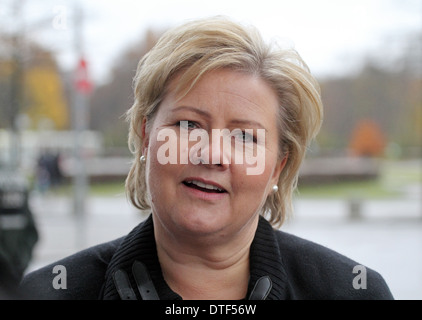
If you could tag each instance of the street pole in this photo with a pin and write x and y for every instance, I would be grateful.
(16, 87)
(80, 112)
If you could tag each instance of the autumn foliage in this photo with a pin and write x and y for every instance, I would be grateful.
(45, 99)
(367, 139)
(39, 86)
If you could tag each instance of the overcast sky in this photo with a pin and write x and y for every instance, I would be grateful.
(331, 35)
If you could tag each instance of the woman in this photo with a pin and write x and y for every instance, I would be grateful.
(219, 128)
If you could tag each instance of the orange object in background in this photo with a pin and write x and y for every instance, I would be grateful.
(367, 139)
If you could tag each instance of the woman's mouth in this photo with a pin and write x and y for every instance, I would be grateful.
(204, 187)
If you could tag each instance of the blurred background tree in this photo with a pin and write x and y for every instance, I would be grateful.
(43, 99)
(110, 101)
(45, 93)
(388, 89)
(367, 140)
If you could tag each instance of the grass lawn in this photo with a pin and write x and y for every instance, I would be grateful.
(393, 181)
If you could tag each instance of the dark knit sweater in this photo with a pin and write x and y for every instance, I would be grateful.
(298, 268)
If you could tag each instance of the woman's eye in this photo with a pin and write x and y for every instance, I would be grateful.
(187, 124)
(245, 136)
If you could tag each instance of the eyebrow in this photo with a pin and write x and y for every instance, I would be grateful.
(193, 109)
(208, 115)
(251, 123)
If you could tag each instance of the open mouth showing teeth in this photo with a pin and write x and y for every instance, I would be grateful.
(203, 186)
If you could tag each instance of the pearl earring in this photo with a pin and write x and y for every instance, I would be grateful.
(142, 159)
(275, 188)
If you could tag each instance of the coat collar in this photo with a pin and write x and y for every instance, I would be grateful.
(139, 244)
(266, 260)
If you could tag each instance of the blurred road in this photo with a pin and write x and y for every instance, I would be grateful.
(387, 237)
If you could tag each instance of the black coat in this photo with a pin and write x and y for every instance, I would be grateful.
(298, 269)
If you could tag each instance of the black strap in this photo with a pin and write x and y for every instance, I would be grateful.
(261, 289)
(147, 290)
(145, 285)
(122, 284)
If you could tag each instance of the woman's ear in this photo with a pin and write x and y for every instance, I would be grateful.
(144, 136)
(279, 168)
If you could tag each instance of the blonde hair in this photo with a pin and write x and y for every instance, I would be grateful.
(200, 46)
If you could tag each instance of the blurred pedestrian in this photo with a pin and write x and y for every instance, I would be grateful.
(55, 171)
(42, 173)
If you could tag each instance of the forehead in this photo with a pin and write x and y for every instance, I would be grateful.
(233, 90)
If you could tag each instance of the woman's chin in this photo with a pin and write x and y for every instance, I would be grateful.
(201, 225)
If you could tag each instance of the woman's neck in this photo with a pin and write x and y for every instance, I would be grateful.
(201, 270)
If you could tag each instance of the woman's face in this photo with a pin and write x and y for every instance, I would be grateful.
(212, 156)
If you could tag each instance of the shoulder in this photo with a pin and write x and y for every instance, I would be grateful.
(78, 276)
(317, 272)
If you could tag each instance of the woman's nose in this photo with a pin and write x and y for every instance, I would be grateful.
(218, 151)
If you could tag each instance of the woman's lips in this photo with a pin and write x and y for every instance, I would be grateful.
(204, 189)
(204, 183)
(203, 186)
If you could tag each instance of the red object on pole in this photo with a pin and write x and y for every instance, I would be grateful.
(83, 84)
